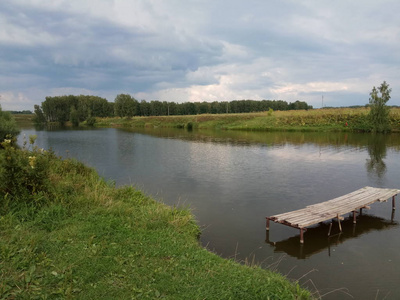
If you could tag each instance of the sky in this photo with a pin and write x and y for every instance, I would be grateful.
(327, 53)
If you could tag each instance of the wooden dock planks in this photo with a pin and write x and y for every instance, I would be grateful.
(335, 208)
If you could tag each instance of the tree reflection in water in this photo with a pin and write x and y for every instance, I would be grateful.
(377, 151)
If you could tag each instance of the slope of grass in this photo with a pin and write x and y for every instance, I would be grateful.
(80, 237)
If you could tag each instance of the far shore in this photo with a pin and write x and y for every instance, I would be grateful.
(332, 119)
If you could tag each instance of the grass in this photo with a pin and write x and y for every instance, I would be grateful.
(84, 238)
(334, 119)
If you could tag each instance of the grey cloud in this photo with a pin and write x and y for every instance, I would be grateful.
(234, 48)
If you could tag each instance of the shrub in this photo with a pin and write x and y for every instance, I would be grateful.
(90, 121)
(8, 126)
(23, 174)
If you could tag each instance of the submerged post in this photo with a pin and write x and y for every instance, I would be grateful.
(267, 227)
(354, 217)
(393, 203)
(330, 228)
(302, 230)
(340, 225)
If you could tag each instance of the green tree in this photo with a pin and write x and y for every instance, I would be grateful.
(125, 105)
(8, 126)
(379, 113)
(74, 116)
(39, 117)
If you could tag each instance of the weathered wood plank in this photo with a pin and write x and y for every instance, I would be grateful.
(334, 208)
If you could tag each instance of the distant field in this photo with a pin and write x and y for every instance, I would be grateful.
(24, 120)
(333, 119)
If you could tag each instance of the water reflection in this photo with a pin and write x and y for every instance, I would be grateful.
(377, 151)
(317, 240)
(328, 139)
(376, 144)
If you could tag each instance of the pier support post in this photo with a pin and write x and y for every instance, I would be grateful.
(302, 230)
(267, 236)
(340, 225)
(301, 235)
(267, 227)
(393, 203)
(330, 228)
(354, 217)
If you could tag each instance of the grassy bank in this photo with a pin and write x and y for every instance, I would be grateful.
(66, 233)
(335, 119)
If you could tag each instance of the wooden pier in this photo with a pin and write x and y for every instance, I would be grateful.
(334, 209)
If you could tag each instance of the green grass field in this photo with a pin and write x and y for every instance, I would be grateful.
(68, 234)
(334, 119)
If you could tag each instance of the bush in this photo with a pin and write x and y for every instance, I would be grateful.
(90, 121)
(23, 174)
(8, 126)
(189, 126)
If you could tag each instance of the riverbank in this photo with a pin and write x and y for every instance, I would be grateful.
(333, 119)
(66, 233)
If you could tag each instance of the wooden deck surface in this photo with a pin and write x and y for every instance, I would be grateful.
(335, 208)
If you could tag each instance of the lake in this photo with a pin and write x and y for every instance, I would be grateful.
(233, 180)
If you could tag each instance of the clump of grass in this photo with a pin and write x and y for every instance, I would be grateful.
(87, 239)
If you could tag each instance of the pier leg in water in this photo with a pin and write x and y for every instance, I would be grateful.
(330, 228)
(302, 230)
(354, 217)
(393, 203)
(340, 225)
(267, 227)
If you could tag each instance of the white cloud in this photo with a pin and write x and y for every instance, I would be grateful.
(319, 87)
(21, 36)
(14, 101)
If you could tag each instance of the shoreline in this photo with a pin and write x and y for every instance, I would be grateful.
(322, 120)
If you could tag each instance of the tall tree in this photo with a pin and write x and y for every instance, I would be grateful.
(379, 113)
(125, 105)
(39, 117)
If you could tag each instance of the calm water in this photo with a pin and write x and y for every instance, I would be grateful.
(233, 180)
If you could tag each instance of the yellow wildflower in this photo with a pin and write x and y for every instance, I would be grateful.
(32, 161)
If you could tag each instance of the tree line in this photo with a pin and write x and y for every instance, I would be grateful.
(81, 108)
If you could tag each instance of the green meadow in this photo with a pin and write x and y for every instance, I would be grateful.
(333, 119)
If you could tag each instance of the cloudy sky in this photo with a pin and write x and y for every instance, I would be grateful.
(199, 50)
